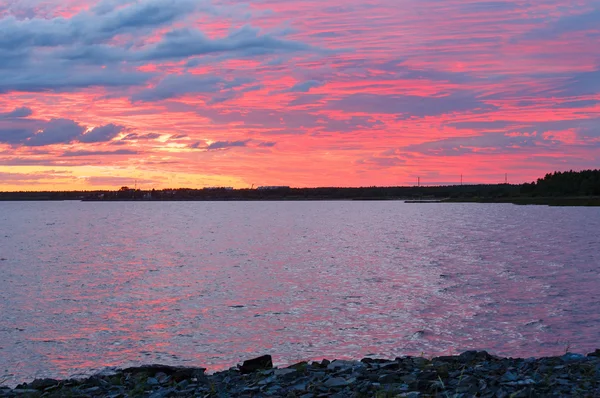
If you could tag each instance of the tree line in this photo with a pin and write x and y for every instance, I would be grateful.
(557, 184)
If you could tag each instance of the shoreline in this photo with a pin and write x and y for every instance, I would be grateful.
(472, 373)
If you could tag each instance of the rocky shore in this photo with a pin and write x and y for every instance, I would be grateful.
(471, 374)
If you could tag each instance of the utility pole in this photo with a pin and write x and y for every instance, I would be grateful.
(461, 179)
(506, 178)
(418, 181)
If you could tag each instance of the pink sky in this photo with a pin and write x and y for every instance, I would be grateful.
(193, 93)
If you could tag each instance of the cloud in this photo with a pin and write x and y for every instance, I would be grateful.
(379, 162)
(32, 178)
(308, 99)
(185, 43)
(60, 77)
(56, 131)
(118, 181)
(16, 130)
(99, 153)
(216, 145)
(90, 27)
(101, 134)
(173, 86)
(587, 20)
(585, 83)
(409, 105)
(524, 141)
(17, 113)
(306, 86)
(104, 46)
(227, 144)
(140, 137)
(14, 136)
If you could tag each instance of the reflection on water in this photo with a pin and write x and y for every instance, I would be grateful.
(84, 286)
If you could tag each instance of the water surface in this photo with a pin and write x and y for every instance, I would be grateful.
(84, 286)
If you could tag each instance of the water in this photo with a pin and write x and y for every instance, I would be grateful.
(84, 286)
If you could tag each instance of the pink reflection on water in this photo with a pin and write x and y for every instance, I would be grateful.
(218, 283)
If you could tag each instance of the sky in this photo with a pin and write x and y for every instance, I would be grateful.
(305, 93)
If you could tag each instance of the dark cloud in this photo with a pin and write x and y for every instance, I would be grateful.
(14, 136)
(55, 53)
(578, 104)
(409, 105)
(381, 161)
(197, 145)
(227, 144)
(267, 144)
(538, 139)
(101, 134)
(566, 24)
(99, 153)
(16, 130)
(185, 43)
(217, 145)
(584, 127)
(56, 131)
(351, 124)
(60, 77)
(141, 137)
(486, 125)
(308, 99)
(17, 113)
(173, 86)
(89, 27)
(584, 83)
(306, 86)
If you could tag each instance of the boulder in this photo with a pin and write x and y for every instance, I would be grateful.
(252, 365)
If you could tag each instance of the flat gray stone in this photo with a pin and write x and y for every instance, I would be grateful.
(336, 382)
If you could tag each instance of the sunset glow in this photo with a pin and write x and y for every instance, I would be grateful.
(194, 93)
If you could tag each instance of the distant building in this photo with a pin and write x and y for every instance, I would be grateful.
(218, 188)
(270, 188)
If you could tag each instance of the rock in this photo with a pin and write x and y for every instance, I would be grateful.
(570, 357)
(470, 356)
(260, 363)
(152, 381)
(26, 391)
(343, 365)
(284, 372)
(594, 354)
(471, 374)
(336, 382)
(388, 378)
(42, 384)
(268, 380)
(162, 377)
(508, 377)
(298, 387)
(390, 365)
(299, 366)
(412, 394)
(163, 393)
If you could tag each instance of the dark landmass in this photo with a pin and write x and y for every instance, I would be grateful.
(471, 374)
(580, 188)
